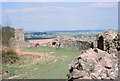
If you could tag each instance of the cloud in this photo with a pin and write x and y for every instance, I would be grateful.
(60, 0)
(71, 17)
(55, 8)
(18, 10)
(107, 4)
(33, 16)
(45, 8)
(32, 0)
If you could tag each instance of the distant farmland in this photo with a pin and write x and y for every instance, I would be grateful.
(80, 34)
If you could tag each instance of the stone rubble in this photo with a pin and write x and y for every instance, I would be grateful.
(99, 63)
(94, 65)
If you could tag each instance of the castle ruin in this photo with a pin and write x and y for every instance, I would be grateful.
(19, 34)
(19, 41)
(100, 62)
(108, 41)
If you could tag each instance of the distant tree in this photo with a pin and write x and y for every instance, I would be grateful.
(7, 31)
(6, 21)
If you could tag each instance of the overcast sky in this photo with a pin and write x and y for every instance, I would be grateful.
(45, 16)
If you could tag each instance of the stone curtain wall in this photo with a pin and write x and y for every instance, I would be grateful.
(100, 62)
(72, 43)
(75, 44)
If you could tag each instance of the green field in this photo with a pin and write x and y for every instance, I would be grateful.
(34, 67)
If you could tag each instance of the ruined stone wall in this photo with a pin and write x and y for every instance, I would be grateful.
(107, 41)
(72, 43)
(7, 34)
(19, 34)
(99, 63)
(18, 41)
(75, 44)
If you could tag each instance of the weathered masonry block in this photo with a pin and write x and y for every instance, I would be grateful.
(19, 34)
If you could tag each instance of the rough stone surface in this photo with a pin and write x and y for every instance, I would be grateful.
(19, 34)
(100, 62)
(90, 65)
(108, 41)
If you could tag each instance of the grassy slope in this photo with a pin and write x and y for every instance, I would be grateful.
(38, 68)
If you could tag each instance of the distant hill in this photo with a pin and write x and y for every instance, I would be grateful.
(76, 31)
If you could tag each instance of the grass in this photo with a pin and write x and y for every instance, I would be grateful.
(31, 67)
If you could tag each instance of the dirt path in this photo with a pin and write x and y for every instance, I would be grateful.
(37, 54)
(41, 41)
(32, 53)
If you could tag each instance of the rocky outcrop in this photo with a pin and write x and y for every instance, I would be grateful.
(101, 62)
(94, 64)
